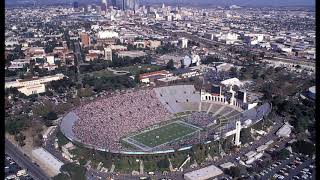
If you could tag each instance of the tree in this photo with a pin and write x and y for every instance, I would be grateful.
(85, 92)
(233, 72)
(282, 154)
(15, 124)
(170, 65)
(234, 171)
(303, 147)
(210, 59)
(20, 137)
(255, 74)
(227, 143)
(51, 115)
(301, 123)
(163, 164)
(245, 136)
(43, 109)
(61, 176)
(75, 171)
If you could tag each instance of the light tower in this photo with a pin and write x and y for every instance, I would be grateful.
(237, 136)
(184, 42)
(104, 5)
(232, 97)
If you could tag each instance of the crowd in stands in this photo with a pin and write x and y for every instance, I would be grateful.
(201, 119)
(104, 122)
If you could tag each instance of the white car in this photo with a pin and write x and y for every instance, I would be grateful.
(305, 169)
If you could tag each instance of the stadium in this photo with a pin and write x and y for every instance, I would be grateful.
(159, 120)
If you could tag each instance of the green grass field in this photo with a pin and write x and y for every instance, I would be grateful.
(164, 134)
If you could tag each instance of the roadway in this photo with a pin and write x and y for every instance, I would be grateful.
(24, 161)
(77, 60)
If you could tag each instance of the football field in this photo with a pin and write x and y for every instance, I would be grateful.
(163, 134)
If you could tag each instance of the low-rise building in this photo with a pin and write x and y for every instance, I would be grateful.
(32, 89)
(284, 131)
(34, 81)
(18, 64)
(131, 54)
(48, 160)
(152, 76)
(203, 173)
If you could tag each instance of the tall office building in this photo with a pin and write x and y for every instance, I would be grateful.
(113, 3)
(85, 39)
(108, 54)
(120, 4)
(184, 42)
(127, 4)
(104, 5)
(75, 5)
(98, 9)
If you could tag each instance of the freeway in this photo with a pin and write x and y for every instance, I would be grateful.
(24, 161)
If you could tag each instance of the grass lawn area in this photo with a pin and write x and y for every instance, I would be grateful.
(127, 165)
(137, 68)
(164, 134)
(101, 73)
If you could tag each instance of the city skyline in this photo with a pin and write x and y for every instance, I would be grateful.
(182, 90)
(194, 2)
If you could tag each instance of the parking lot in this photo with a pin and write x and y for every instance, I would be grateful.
(297, 166)
(13, 170)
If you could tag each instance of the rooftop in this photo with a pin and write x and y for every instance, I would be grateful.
(204, 173)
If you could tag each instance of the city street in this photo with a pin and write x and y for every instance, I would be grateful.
(24, 161)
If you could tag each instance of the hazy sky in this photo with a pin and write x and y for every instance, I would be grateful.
(213, 2)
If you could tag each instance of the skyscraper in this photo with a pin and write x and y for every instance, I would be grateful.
(131, 4)
(120, 4)
(126, 4)
(108, 54)
(85, 39)
(75, 5)
(104, 5)
(113, 3)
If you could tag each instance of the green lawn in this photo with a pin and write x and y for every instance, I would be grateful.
(102, 73)
(164, 134)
